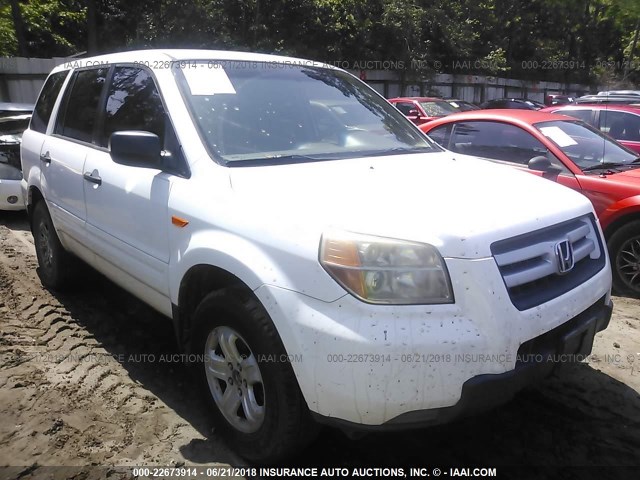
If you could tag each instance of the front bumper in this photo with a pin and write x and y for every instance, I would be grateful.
(11, 197)
(379, 365)
(536, 359)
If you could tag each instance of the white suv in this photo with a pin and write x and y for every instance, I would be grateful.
(321, 259)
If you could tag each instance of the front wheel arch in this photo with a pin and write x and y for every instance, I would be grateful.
(287, 426)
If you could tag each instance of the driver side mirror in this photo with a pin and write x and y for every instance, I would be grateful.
(414, 112)
(543, 164)
(135, 148)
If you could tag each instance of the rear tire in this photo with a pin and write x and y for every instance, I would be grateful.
(624, 252)
(55, 265)
(251, 389)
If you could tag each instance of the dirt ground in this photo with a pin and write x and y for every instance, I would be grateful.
(89, 379)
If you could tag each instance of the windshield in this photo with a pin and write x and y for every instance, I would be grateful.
(437, 109)
(584, 145)
(535, 104)
(283, 113)
(463, 106)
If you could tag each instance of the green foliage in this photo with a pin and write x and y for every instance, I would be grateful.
(582, 40)
(8, 42)
(52, 27)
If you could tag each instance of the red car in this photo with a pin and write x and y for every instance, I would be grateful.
(621, 122)
(422, 109)
(569, 152)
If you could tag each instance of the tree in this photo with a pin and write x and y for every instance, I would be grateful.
(18, 25)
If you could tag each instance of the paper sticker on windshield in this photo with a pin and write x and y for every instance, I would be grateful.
(559, 136)
(210, 81)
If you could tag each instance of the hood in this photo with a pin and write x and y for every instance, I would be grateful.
(632, 177)
(458, 204)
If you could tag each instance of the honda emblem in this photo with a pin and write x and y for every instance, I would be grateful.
(564, 254)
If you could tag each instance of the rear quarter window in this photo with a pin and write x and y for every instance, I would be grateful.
(46, 101)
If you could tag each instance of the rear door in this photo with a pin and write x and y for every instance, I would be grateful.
(622, 126)
(34, 136)
(63, 154)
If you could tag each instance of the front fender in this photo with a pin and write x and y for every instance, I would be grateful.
(255, 262)
(617, 211)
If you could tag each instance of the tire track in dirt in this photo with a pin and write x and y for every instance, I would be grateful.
(67, 380)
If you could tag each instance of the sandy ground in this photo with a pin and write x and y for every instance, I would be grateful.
(89, 379)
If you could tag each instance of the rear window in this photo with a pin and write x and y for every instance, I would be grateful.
(46, 101)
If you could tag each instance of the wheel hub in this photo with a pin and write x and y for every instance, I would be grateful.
(628, 263)
(45, 248)
(234, 379)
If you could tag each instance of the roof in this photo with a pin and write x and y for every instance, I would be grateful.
(622, 99)
(157, 59)
(598, 106)
(619, 92)
(528, 117)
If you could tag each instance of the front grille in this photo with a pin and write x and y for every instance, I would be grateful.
(529, 264)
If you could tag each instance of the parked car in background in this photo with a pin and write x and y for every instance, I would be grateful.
(558, 99)
(613, 98)
(461, 105)
(14, 119)
(635, 93)
(308, 263)
(621, 122)
(569, 152)
(422, 109)
(513, 103)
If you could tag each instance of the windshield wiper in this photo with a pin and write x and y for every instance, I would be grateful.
(603, 166)
(400, 150)
(323, 157)
(283, 160)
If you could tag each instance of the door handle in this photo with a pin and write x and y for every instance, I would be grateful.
(45, 157)
(93, 177)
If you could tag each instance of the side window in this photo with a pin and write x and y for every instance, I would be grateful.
(495, 140)
(584, 115)
(46, 101)
(82, 100)
(441, 135)
(405, 107)
(620, 125)
(133, 103)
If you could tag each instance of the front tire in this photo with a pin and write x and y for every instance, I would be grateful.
(251, 389)
(55, 264)
(624, 251)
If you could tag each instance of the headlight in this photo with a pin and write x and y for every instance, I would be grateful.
(386, 271)
(7, 172)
